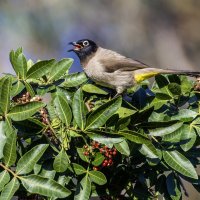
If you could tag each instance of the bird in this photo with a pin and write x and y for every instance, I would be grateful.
(111, 69)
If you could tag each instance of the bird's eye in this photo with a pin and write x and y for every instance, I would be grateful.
(85, 43)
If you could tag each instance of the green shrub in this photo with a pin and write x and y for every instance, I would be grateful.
(81, 143)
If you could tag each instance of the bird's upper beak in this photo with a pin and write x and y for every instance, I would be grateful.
(77, 46)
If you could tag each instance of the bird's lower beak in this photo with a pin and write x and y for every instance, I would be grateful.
(77, 47)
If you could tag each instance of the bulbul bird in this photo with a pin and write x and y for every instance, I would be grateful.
(111, 69)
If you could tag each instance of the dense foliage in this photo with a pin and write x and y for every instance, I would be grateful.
(62, 136)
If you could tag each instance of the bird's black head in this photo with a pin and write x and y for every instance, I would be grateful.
(84, 48)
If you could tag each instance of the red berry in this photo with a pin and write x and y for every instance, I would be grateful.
(86, 153)
(107, 154)
(114, 153)
(104, 164)
(105, 161)
(95, 168)
(110, 161)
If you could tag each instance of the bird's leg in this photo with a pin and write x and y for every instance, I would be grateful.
(120, 91)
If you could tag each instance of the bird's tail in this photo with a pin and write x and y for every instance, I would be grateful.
(145, 73)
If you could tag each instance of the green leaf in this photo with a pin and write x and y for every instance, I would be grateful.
(63, 110)
(173, 187)
(185, 115)
(161, 81)
(61, 161)
(123, 148)
(59, 69)
(189, 136)
(99, 117)
(98, 177)
(158, 103)
(98, 159)
(80, 152)
(10, 189)
(104, 139)
(83, 189)
(180, 163)
(174, 88)
(78, 169)
(22, 112)
(48, 173)
(125, 112)
(73, 80)
(17, 88)
(2, 137)
(78, 108)
(165, 130)
(90, 88)
(27, 162)
(44, 186)
(29, 89)
(5, 89)
(4, 179)
(135, 137)
(19, 63)
(40, 69)
(151, 153)
(175, 136)
(9, 150)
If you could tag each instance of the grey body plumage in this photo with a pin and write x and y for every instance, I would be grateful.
(111, 69)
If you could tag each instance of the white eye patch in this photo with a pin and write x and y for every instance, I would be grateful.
(85, 43)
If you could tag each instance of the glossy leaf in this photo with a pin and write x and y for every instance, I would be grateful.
(59, 69)
(105, 139)
(151, 153)
(80, 152)
(40, 69)
(123, 148)
(75, 79)
(19, 63)
(5, 89)
(180, 163)
(10, 189)
(4, 179)
(174, 88)
(185, 115)
(99, 117)
(90, 88)
(61, 161)
(27, 162)
(9, 150)
(83, 189)
(2, 137)
(135, 137)
(78, 108)
(188, 136)
(17, 88)
(98, 159)
(22, 112)
(63, 110)
(78, 169)
(44, 186)
(165, 130)
(98, 177)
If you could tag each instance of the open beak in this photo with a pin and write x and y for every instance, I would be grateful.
(77, 47)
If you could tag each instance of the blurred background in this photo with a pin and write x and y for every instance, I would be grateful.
(160, 33)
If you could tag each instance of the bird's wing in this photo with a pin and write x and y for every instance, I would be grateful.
(113, 61)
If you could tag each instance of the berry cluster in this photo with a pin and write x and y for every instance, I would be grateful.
(25, 98)
(109, 153)
(44, 116)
